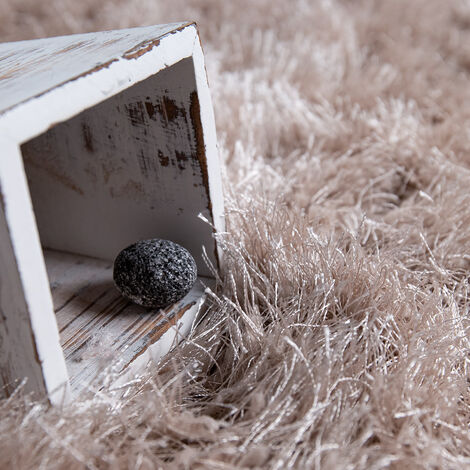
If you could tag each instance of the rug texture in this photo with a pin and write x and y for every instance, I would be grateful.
(338, 336)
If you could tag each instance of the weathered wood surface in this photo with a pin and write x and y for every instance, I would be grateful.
(15, 328)
(29, 340)
(129, 168)
(31, 68)
(98, 327)
(66, 85)
(94, 194)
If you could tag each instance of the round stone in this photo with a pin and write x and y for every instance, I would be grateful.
(154, 273)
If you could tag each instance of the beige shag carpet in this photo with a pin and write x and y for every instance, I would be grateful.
(339, 336)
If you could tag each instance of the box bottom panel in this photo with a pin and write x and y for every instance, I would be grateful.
(100, 329)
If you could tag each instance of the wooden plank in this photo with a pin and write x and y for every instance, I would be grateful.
(98, 327)
(206, 131)
(15, 328)
(29, 339)
(30, 68)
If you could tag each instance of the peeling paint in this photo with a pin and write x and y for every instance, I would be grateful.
(98, 67)
(158, 331)
(151, 109)
(141, 49)
(166, 108)
(164, 160)
(195, 113)
(87, 137)
(170, 110)
(71, 47)
(135, 111)
(181, 158)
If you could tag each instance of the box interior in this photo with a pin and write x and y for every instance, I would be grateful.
(127, 169)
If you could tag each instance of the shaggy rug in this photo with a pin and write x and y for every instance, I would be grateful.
(338, 334)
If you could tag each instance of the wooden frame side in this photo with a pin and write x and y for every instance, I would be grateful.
(29, 338)
(210, 159)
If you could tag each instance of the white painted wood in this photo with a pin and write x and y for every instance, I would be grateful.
(210, 142)
(29, 340)
(109, 76)
(97, 325)
(29, 69)
(118, 138)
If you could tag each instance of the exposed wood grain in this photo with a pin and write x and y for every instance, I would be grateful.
(98, 327)
(30, 68)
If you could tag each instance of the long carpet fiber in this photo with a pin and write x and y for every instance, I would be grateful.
(338, 336)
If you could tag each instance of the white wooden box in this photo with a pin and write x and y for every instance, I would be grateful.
(106, 138)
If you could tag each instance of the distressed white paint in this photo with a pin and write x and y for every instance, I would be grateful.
(123, 170)
(29, 340)
(86, 88)
(97, 325)
(210, 139)
(67, 77)
(31, 68)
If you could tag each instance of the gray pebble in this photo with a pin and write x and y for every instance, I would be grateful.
(154, 273)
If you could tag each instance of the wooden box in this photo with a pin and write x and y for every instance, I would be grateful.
(106, 138)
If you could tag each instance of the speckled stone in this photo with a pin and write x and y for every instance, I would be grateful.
(154, 273)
